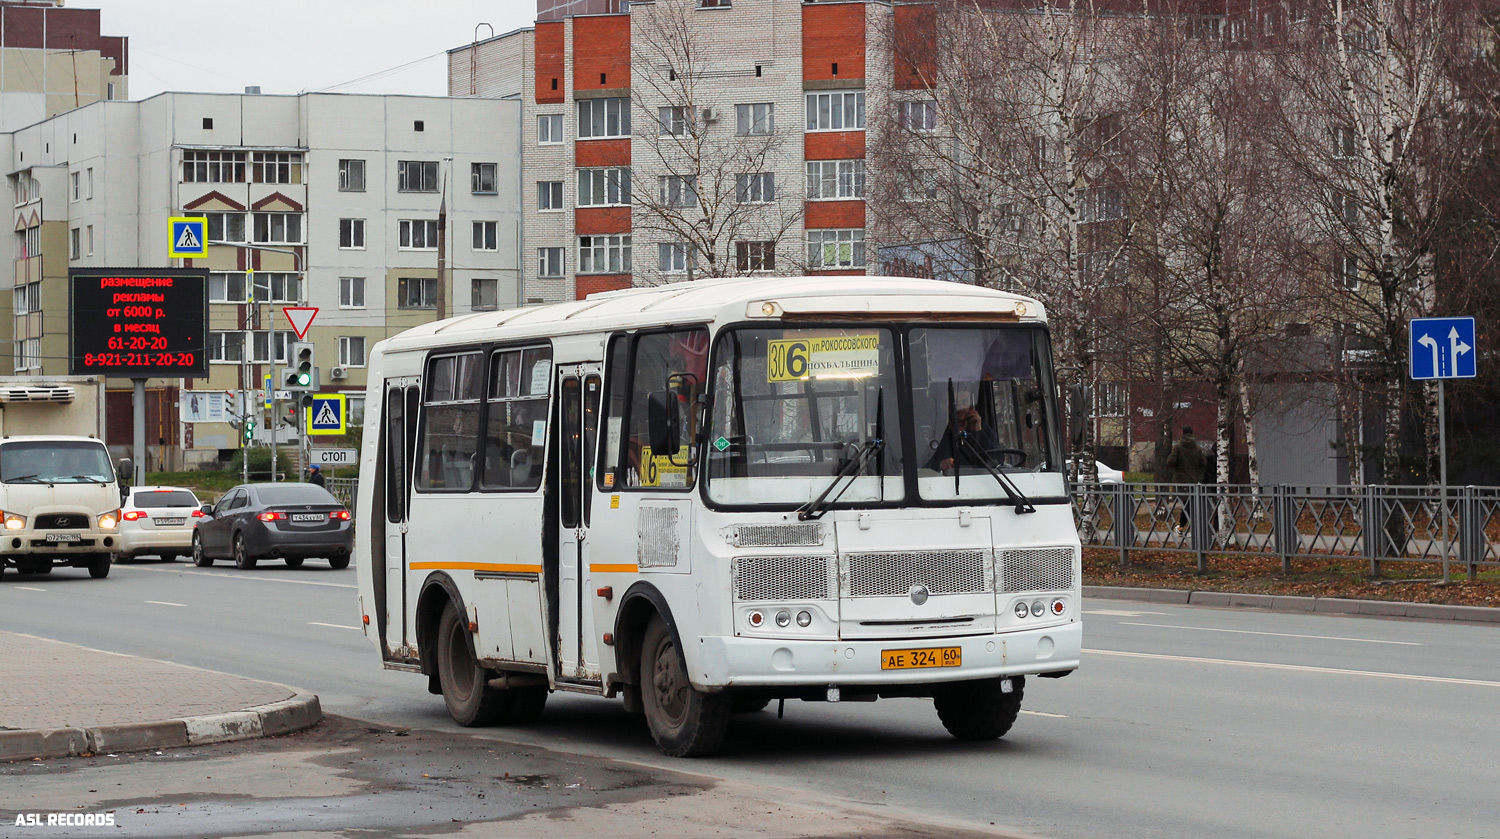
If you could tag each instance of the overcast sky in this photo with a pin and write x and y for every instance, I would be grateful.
(287, 46)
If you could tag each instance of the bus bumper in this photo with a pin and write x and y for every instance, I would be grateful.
(732, 662)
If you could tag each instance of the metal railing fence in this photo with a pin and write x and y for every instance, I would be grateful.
(344, 489)
(1372, 523)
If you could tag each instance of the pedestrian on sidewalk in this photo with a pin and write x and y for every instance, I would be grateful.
(1185, 465)
(315, 475)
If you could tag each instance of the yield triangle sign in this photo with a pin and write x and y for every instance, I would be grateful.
(301, 318)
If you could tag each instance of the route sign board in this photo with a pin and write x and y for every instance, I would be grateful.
(1443, 348)
(138, 322)
(327, 414)
(189, 237)
(300, 317)
(335, 457)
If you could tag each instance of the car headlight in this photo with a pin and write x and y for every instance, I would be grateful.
(108, 521)
(14, 521)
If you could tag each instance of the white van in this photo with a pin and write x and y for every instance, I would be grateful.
(60, 502)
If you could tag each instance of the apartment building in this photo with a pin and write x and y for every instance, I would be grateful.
(609, 89)
(319, 200)
(54, 59)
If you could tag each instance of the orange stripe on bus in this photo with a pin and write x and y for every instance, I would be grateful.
(621, 569)
(476, 566)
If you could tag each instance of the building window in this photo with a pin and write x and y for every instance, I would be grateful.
(276, 167)
(226, 288)
(549, 195)
(918, 116)
(226, 227)
(836, 111)
(90, 236)
(276, 287)
(30, 242)
(754, 256)
(835, 249)
(1111, 398)
(351, 351)
(226, 347)
(77, 179)
(1103, 267)
(549, 129)
(715, 4)
(923, 186)
(28, 298)
(603, 118)
(604, 187)
(672, 257)
(1345, 143)
(484, 294)
(28, 354)
(1102, 203)
(352, 234)
(549, 262)
(262, 350)
(418, 235)
(604, 254)
(1345, 208)
(675, 121)
(835, 179)
(755, 119)
(755, 187)
(213, 167)
(278, 228)
(351, 292)
(75, 243)
(485, 235)
(417, 176)
(416, 293)
(351, 175)
(678, 190)
(88, 183)
(1348, 267)
(482, 178)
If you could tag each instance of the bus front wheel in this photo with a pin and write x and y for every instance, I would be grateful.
(684, 722)
(980, 710)
(466, 691)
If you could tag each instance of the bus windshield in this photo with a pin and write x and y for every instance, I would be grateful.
(796, 407)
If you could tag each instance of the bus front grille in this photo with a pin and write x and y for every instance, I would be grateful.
(1036, 569)
(893, 574)
(781, 577)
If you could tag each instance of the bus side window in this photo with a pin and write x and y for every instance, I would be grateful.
(450, 427)
(665, 361)
(396, 459)
(617, 376)
(516, 430)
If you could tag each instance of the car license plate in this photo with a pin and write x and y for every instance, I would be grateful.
(923, 657)
(64, 537)
(308, 517)
(169, 522)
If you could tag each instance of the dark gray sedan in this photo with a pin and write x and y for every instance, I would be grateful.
(291, 522)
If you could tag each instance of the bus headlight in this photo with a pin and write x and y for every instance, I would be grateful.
(108, 521)
(1022, 610)
(14, 521)
(804, 619)
(783, 618)
(1038, 608)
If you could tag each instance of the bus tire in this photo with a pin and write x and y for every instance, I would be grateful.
(979, 710)
(684, 722)
(526, 704)
(466, 690)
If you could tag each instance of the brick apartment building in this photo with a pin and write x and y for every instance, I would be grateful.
(600, 92)
(54, 59)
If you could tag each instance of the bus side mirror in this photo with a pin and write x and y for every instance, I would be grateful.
(661, 422)
(1080, 397)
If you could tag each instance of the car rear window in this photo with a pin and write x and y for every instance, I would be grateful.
(295, 494)
(164, 498)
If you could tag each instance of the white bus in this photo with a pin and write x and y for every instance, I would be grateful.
(705, 496)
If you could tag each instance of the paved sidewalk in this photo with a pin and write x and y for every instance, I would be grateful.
(60, 699)
(1288, 603)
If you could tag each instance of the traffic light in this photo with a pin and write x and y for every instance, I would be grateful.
(249, 430)
(303, 374)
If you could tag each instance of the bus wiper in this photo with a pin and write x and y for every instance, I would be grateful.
(90, 479)
(977, 452)
(32, 478)
(815, 508)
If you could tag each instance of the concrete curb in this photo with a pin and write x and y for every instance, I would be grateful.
(1286, 603)
(300, 712)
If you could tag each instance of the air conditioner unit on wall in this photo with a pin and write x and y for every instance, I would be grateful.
(339, 373)
(710, 115)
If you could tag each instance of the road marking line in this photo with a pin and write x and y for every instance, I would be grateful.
(253, 579)
(1117, 613)
(165, 603)
(28, 588)
(334, 625)
(1044, 714)
(1277, 634)
(1301, 668)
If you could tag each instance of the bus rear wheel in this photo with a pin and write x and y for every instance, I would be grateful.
(979, 710)
(466, 691)
(684, 722)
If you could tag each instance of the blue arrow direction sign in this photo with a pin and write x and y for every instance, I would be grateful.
(1443, 348)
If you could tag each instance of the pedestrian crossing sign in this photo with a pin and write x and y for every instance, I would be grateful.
(327, 414)
(189, 237)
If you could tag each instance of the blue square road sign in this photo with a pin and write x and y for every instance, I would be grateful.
(327, 414)
(1443, 348)
(189, 237)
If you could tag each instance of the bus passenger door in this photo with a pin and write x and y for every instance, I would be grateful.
(402, 396)
(577, 429)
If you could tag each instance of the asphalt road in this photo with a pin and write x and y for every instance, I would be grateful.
(1183, 722)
